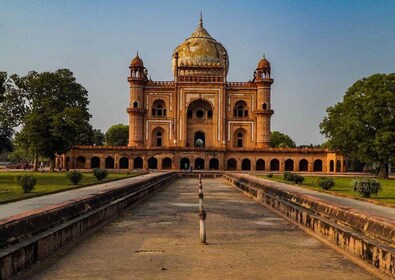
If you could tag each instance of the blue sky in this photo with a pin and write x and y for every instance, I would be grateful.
(317, 49)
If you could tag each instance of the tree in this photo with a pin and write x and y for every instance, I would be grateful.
(5, 131)
(280, 140)
(52, 109)
(98, 137)
(117, 135)
(362, 126)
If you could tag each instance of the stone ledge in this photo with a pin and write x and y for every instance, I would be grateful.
(361, 236)
(42, 233)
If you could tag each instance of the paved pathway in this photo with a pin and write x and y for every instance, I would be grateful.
(366, 208)
(15, 208)
(159, 239)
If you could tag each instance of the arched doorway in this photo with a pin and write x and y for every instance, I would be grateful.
(123, 163)
(338, 166)
(260, 165)
(303, 165)
(158, 137)
(317, 165)
(95, 162)
(199, 164)
(274, 165)
(331, 166)
(184, 163)
(80, 163)
(199, 139)
(240, 138)
(109, 163)
(214, 164)
(138, 163)
(152, 163)
(67, 164)
(289, 165)
(166, 163)
(231, 164)
(246, 164)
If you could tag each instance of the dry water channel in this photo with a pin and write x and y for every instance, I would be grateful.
(159, 239)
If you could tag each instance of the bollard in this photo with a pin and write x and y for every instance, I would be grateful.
(202, 215)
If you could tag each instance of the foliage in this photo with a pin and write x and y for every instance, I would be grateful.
(280, 140)
(98, 137)
(74, 176)
(366, 186)
(117, 135)
(293, 177)
(6, 131)
(363, 125)
(100, 174)
(51, 108)
(27, 182)
(325, 183)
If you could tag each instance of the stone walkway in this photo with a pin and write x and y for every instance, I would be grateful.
(159, 239)
(368, 209)
(18, 207)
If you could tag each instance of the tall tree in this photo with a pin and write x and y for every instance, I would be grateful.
(117, 135)
(52, 109)
(98, 137)
(6, 131)
(280, 140)
(363, 125)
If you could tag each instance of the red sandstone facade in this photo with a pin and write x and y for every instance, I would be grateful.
(201, 120)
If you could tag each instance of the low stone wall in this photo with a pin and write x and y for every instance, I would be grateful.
(368, 238)
(25, 240)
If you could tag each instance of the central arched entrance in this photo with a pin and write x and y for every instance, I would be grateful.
(199, 139)
(199, 164)
(214, 164)
(184, 163)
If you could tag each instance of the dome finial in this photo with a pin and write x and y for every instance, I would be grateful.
(264, 55)
(137, 53)
(201, 19)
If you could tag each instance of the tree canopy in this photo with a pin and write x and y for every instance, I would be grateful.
(6, 131)
(363, 125)
(52, 110)
(117, 135)
(280, 140)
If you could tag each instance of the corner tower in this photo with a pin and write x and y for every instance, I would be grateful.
(136, 111)
(264, 112)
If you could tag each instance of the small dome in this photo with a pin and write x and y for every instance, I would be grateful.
(201, 49)
(137, 61)
(263, 64)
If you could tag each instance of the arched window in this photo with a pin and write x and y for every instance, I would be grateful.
(231, 164)
(123, 163)
(264, 106)
(95, 162)
(240, 110)
(159, 108)
(152, 163)
(303, 165)
(166, 163)
(331, 166)
(338, 166)
(184, 163)
(200, 139)
(138, 163)
(274, 165)
(200, 114)
(289, 165)
(158, 137)
(260, 164)
(317, 165)
(109, 163)
(246, 164)
(214, 164)
(239, 138)
(199, 164)
(135, 104)
(80, 162)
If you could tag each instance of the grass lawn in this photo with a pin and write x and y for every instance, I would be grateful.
(46, 183)
(342, 187)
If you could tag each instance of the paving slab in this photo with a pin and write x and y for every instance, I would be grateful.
(363, 207)
(159, 239)
(15, 208)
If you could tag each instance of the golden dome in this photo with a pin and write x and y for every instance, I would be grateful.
(201, 49)
(137, 61)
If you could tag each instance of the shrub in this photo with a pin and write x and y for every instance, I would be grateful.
(100, 174)
(287, 176)
(74, 176)
(297, 179)
(270, 175)
(27, 182)
(325, 183)
(366, 186)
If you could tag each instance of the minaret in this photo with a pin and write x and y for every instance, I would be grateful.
(263, 114)
(136, 111)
